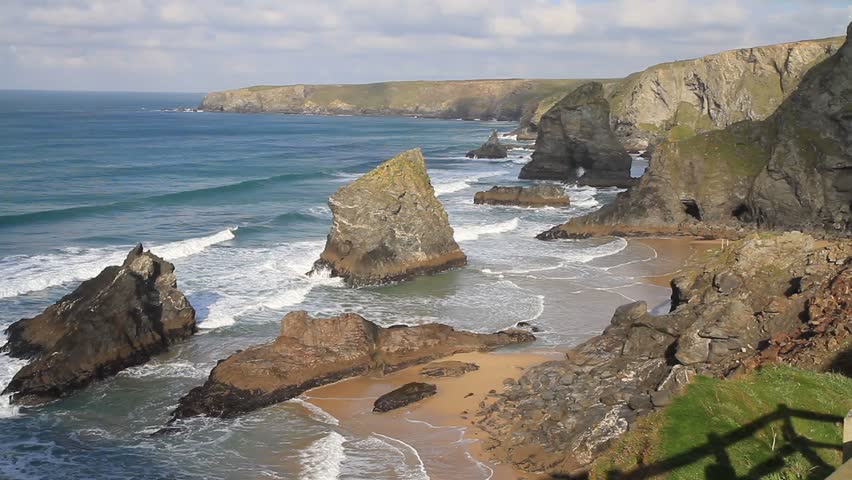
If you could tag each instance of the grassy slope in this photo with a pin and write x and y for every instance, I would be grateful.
(722, 408)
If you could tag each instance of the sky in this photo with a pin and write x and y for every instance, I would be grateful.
(205, 45)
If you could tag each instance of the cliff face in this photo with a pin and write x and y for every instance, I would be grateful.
(468, 99)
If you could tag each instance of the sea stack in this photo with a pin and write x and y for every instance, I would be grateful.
(575, 143)
(389, 226)
(490, 149)
(311, 352)
(116, 320)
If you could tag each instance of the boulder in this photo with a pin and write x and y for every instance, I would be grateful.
(545, 195)
(389, 226)
(118, 319)
(404, 395)
(489, 149)
(311, 352)
(450, 368)
(575, 142)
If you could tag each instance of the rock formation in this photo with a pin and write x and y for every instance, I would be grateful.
(451, 368)
(403, 396)
(575, 142)
(312, 352)
(544, 195)
(793, 170)
(116, 320)
(490, 149)
(388, 226)
(728, 305)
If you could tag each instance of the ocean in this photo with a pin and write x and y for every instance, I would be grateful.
(238, 203)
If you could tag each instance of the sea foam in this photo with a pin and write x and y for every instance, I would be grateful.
(466, 233)
(323, 459)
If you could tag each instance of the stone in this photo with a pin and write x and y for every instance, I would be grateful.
(119, 319)
(404, 396)
(544, 195)
(726, 282)
(490, 149)
(575, 142)
(452, 368)
(388, 226)
(310, 352)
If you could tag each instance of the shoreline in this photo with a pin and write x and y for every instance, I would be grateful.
(432, 428)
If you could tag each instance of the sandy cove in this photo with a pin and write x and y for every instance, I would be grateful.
(438, 432)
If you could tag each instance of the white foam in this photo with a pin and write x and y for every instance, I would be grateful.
(322, 460)
(8, 368)
(452, 185)
(466, 233)
(20, 274)
(445, 188)
(175, 369)
(316, 412)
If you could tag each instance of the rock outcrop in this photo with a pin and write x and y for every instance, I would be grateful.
(450, 368)
(311, 352)
(388, 226)
(544, 195)
(730, 303)
(403, 396)
(792, 170)
(490, 149)
(116, 320)
(575, 142)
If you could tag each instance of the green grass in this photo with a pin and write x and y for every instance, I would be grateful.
(743, 420)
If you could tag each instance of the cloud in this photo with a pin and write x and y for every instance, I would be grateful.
(201, 45)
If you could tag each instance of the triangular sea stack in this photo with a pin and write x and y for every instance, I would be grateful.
(389, 226)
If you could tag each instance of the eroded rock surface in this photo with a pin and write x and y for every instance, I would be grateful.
(388, 226)
(403, 396)
(311, 352)
(544, 195)
(490, 149)
(450, 368)
(116, 320)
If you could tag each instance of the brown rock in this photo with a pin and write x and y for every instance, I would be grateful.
(544, 195)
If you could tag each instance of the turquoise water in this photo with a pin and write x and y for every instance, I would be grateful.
(238, 203)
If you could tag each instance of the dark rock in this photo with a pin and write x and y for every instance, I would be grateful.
(575, 142)
(404, 395)
(450, 368)
(118, 319)
(544, 195)
(389, 226)
(313, 352)
(528, 326)
(726, 282)
(489, 149)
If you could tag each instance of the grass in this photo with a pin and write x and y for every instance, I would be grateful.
(694, 437)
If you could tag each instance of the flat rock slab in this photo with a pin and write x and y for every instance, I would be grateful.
(404, 395)
(450, 368)
(546, 195)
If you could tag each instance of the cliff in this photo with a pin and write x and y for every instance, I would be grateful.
(468, 99)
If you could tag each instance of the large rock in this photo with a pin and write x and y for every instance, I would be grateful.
(312, 352)
(575, 142)
(403, 396)
(543, 195)
(490, 149)
(116, 320)
(791, 171)
(388, 226)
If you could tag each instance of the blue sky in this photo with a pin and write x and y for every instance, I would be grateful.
(203, 45)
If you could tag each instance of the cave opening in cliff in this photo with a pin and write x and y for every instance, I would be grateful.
(742, 213)
(690, 207)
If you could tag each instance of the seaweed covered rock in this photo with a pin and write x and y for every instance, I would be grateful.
(545, 195)
(403, 396)
(116, 320)
(575, 142)
(490, 149)
(311, 352)
(388, 226)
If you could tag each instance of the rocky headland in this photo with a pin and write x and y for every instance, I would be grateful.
(389, 226)
(311, 352)
(575, 143)
(543, 195)
(490, 149)
(119, 319)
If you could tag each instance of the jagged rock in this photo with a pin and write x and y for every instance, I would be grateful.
(450, 368)
(311, 352)
(575, 142)
(389, 226)
(544, 195)
(116, 320)
(490, 149)
(403, 396)
(791, 171)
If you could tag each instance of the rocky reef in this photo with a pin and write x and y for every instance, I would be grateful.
(726, 309)
(388, 226)
(490, 149)
(790, 171)
(116, 320)
(575, 142)
(316, 351)
(403, 396)
(544, 195)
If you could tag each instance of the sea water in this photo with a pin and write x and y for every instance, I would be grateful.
(238, 204)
